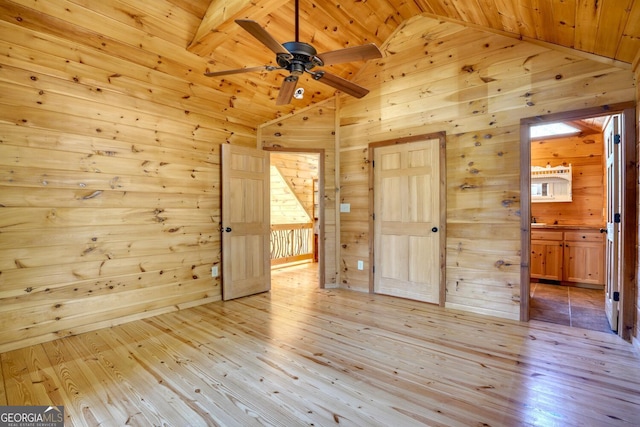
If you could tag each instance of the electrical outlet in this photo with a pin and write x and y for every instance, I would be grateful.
(360, 265)
(214, 271)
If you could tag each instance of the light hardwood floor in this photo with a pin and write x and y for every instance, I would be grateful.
(299, 355)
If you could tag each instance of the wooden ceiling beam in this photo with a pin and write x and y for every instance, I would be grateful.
(219, 24)
(586, 127)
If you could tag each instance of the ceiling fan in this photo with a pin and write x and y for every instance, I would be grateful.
(298, 58)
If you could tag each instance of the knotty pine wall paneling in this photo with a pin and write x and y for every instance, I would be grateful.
(354, 225)
(313, 128)
(586, 156)
(475, 86)
(109, 172)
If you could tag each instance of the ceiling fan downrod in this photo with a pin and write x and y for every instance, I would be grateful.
(297, 12)
(298, 58)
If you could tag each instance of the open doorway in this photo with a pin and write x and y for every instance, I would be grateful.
(568, 197)
(296, 223)
(567, 272)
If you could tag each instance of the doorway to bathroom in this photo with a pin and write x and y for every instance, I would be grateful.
(575, 252)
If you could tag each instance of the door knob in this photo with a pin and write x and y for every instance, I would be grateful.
(603, 230)
(434, 229)
(228, 229)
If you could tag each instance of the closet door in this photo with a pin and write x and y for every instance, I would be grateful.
(407, 220)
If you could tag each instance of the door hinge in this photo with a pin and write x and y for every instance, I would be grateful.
(374, 216)
(373, 269)
(616, 296)
(373, 163)
(617, 218)
(617, 139)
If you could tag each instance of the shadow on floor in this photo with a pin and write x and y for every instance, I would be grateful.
(569, 305)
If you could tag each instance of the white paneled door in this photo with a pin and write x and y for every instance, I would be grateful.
(613, 142)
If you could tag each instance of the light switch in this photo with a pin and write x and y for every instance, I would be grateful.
(345, 207)
(360, 265)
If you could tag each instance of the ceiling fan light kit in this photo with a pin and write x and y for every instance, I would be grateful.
(298, 58)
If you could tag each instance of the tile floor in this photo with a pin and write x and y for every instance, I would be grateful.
(569, 305)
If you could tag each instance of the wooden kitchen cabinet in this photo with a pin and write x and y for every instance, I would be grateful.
(584, 257)
(546, 254)
(568, 255)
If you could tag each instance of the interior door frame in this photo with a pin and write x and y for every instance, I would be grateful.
(629, 225)
(441, 137)
(321, 196)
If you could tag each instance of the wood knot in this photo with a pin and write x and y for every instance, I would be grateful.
(92, 195)
(501, 263)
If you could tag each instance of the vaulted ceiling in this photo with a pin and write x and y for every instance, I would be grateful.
(163, 48)
(607, 29)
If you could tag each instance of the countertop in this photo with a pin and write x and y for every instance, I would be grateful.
(536, 226)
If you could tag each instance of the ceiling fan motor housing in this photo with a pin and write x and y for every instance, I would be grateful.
(303, 58)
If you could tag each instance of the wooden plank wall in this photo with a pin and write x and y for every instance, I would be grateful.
(109, 156)
(475, 86)
(586, 156)
(311, 129)
(109, 171)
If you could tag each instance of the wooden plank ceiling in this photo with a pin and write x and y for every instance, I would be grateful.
(184, 38)
(609, 29)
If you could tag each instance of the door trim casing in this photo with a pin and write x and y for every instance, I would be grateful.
(629, 228)
(441, 137)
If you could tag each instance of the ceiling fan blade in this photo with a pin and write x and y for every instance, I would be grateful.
(355, 53)
(286, 90)
(341, 84)
(253, 28)
(238, 71)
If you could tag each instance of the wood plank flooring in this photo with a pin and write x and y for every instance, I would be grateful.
(300, 355)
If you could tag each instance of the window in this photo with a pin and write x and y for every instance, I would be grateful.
(552, 130)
